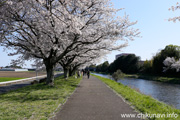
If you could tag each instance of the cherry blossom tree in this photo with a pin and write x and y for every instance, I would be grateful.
(82, 55)
(171, 63)
(174, 8)
(85, 60)
(52, 29)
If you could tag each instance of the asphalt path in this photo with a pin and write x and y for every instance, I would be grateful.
(93, 100)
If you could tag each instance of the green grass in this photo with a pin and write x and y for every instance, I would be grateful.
(174, 80)
(36, 102)
(170, 79)
(4, 79)
(143, 103)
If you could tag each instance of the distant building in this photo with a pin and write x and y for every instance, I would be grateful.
(7, 69)
(13, 69)
(31, 69)
(20, 70)
(123, 54)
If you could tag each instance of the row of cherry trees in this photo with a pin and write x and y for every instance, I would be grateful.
(66, 32)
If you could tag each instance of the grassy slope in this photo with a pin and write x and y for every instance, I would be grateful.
(4, 79)
(36, 102)
(171, 79)
(143, 103)
(174, 80)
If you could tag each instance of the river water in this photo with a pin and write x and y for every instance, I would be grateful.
(164, 92)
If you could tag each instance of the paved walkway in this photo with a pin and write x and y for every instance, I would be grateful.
(93, 100)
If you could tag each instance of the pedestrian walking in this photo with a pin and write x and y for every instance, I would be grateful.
(83, 72)
(79, 73)
(88, 74)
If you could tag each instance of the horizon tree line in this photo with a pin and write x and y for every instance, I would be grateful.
(165, 63)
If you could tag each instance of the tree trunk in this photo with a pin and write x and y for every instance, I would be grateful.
(50, 72)
(50, 76)
(66, 71)
(71, 72)
(74, 69)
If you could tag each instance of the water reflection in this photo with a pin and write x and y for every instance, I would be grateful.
(167, 93)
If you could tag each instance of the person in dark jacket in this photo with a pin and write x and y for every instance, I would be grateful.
(88, 74)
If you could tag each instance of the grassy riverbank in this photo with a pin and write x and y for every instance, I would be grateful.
(36, 102)
(173, 80)
(143, 103)
(170, 79)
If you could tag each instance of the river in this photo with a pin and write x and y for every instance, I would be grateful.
(164, 92)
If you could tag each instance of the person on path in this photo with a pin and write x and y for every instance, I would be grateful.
(79, 73)
(84, 72)
(88, 74)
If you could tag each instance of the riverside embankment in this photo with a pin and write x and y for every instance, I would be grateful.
(154, 109)
(164, 92)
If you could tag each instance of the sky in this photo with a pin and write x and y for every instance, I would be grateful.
(156, 30)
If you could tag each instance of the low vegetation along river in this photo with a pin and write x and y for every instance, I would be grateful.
(167, 93)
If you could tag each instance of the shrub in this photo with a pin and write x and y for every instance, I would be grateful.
(118, 75)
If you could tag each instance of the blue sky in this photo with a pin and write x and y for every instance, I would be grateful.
(156, 30)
